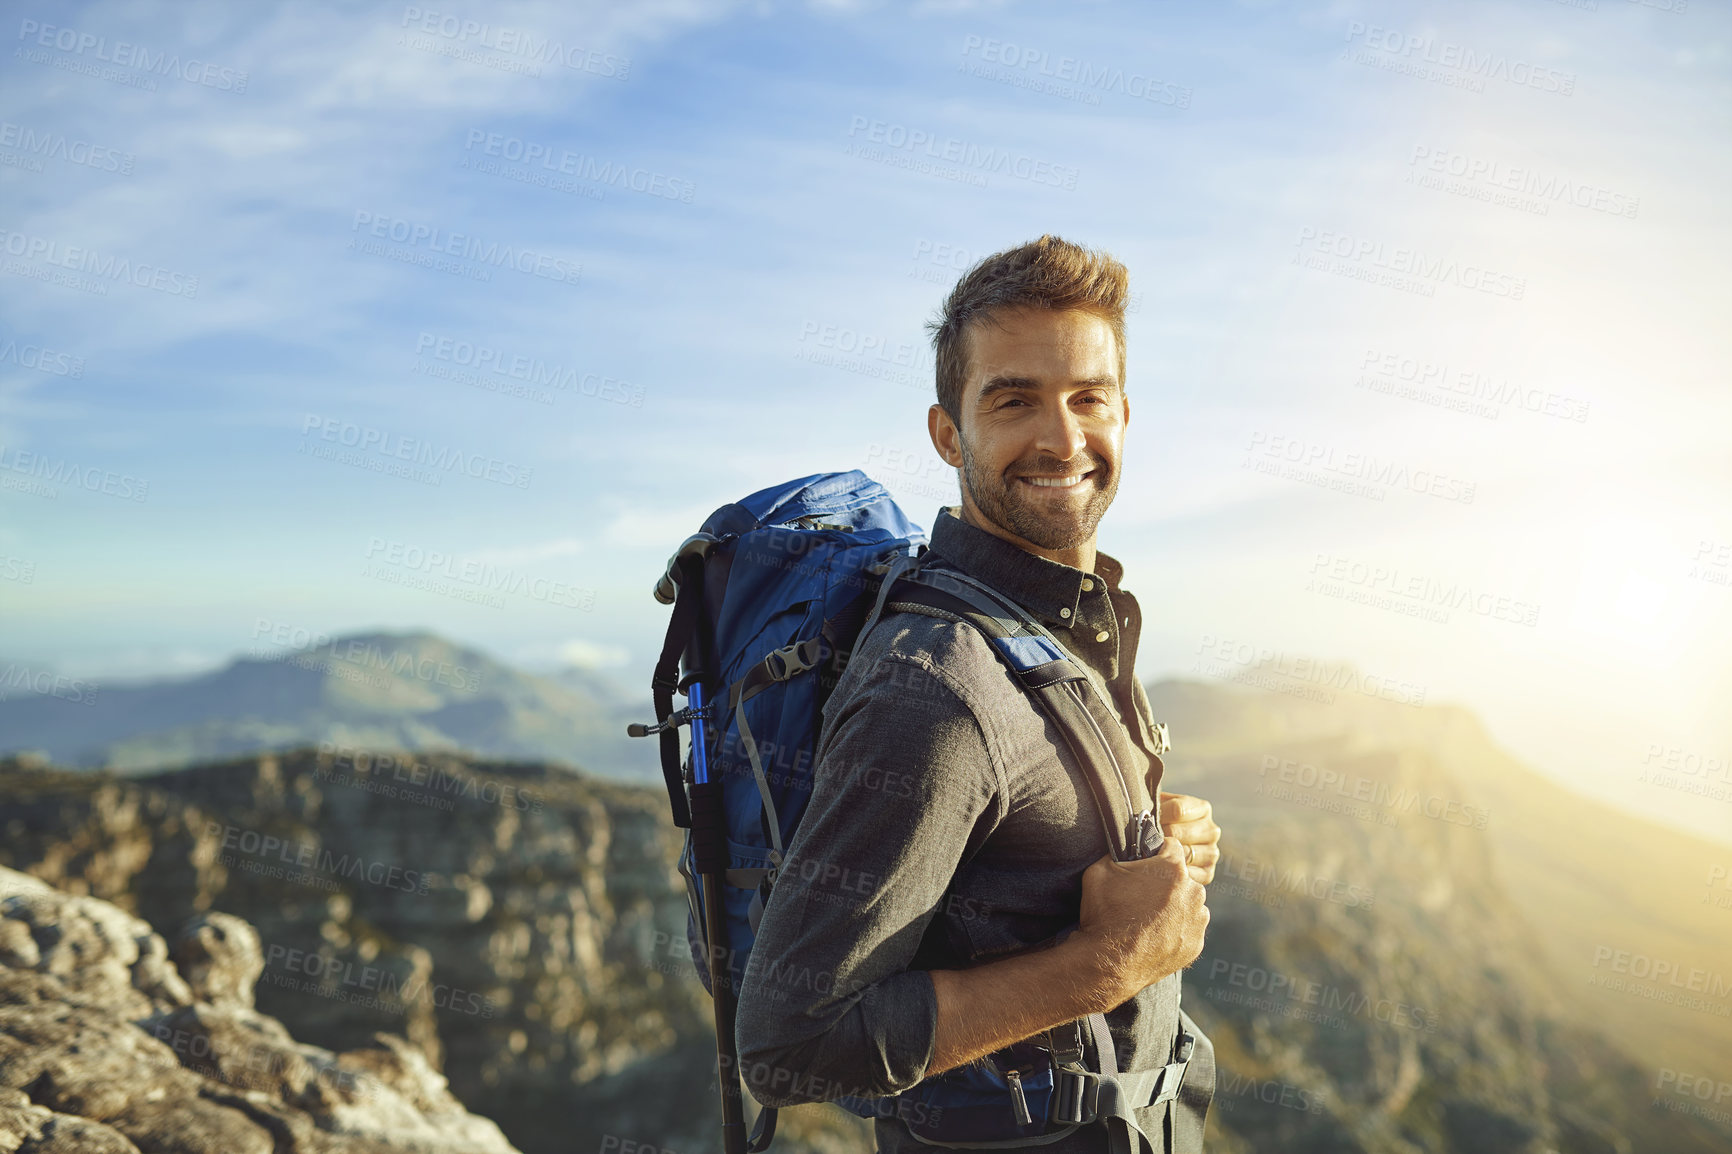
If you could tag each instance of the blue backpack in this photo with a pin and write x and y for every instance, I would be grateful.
(770, 598)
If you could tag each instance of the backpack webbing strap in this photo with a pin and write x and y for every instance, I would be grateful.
(897, 567)
(762, 1131)
(666, 679)
(1118, 1095)
(778, 665)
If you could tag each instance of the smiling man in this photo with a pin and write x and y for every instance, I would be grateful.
(950, 918)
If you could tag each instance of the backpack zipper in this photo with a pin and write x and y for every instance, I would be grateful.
(1139, 820)
(1018, 1103)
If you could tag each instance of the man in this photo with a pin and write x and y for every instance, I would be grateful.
(919, 923)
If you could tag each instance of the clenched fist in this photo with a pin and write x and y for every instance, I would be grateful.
(1142, 920)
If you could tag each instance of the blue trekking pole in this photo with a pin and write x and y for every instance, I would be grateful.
(710, 856)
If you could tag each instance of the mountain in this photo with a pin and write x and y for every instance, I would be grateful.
(411, 691)
(1395, 962)
(1600, 889)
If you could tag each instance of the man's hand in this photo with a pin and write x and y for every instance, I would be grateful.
(1188, 821)
(1141, 920)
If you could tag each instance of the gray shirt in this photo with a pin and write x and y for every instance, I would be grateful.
(948, 825)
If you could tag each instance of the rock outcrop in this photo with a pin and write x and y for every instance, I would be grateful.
(522, 926)
(106, 1046)
(1368, 982)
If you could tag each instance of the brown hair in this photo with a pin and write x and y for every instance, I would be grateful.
(1046, 273)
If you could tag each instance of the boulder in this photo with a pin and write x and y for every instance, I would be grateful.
(105, 1046)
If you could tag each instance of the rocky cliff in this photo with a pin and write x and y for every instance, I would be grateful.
(522, 927)
(110, 1045)
(1368, 981)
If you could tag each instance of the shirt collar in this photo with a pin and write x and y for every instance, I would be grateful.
(1047, 588)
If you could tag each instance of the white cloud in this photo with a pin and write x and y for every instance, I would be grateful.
(590, 655)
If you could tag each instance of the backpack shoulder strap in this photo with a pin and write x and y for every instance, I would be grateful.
(1048, 674)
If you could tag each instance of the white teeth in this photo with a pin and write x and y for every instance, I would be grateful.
(1056, 482)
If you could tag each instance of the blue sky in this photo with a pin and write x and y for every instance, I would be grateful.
(1428, 298)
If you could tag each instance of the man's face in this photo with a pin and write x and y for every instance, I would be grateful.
(1043, 424)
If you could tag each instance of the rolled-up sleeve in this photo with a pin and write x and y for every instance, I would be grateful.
(904, 782)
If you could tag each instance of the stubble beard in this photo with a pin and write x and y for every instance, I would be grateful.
(1005, 502)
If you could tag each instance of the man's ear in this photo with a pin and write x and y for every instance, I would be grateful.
(946, 437)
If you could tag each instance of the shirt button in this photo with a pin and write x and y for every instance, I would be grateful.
(1088, 586)
(1102, 635)
(1064, 612)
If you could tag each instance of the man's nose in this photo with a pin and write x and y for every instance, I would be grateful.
(1061, 433)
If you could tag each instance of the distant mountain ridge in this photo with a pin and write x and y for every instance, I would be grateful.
(414, 691)
(1381, 975)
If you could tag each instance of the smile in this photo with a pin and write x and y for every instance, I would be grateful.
(1065, 482)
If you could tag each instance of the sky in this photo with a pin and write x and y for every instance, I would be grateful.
(317, 318)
